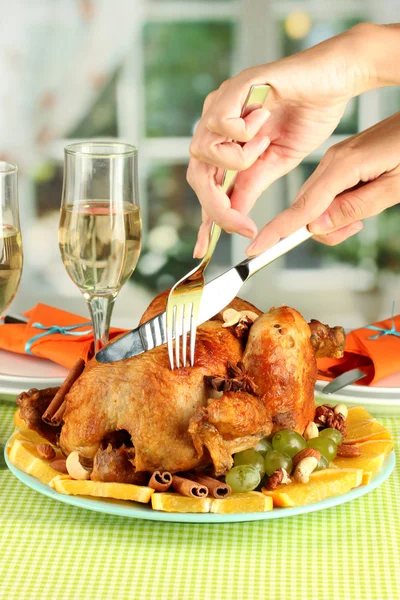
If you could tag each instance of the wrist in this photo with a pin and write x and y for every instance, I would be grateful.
(378, 50)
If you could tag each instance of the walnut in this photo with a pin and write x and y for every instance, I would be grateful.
(281, 476)
(241, 321)
(325, 416)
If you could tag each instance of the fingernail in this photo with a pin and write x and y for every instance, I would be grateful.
(196, 249)
(323, 224)
(250, 249)
(247, 232)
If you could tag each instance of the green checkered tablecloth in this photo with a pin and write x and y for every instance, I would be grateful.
(50, 550)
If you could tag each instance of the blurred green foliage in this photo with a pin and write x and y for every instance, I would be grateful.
(174, 217)
(183, 62)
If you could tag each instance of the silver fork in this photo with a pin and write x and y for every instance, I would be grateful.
(184, 298)
(184, 303)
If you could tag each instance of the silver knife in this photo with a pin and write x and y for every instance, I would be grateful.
(217, 294)
(343, 380)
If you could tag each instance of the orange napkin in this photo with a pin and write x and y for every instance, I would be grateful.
(378, 358)
(61, 348)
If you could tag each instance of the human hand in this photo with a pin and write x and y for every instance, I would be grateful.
(356, 179)
(309, 92)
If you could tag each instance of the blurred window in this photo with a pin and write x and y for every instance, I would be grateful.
(154, 99)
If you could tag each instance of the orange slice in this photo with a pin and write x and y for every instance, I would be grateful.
(368, 431)
(245, 502)
(24, 455)
(362, 426)
(373, 454)
(322, 484)
(102, 489)
(27, 433)
(180, 504)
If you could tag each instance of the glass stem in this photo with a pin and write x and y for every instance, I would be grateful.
(100, 308)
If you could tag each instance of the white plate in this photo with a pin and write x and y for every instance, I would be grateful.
(383, 396)
(19, 372)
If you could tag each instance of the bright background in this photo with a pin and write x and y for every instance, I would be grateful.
(139, 70)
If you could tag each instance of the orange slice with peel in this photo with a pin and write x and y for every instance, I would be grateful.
(170, 502)
(322, 484)
(103, 489)
(245, 502)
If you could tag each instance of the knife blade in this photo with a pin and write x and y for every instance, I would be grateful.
(217, 294)
(343, 380)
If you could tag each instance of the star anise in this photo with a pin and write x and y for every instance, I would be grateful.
(236, 381)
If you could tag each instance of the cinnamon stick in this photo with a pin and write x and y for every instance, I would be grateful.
(160, 481)
(216, 488)
(54, 413)
(186, 487)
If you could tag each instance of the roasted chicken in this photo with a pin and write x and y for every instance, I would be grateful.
(136, 415)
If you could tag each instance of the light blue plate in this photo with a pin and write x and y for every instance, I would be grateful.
(134, 510)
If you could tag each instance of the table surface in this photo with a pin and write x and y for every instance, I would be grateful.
(52, 550)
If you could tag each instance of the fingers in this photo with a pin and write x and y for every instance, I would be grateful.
(361, 203)
(229, 155)
(241, 129)
(220, 151)
(215, 202)
(203, 237)
(313, 199)
(336, 237)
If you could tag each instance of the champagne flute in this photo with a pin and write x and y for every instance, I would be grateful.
(11, 256)
(100, 224)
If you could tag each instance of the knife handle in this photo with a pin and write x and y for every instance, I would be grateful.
(250, 266)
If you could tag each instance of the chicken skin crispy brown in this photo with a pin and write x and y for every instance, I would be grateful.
(137, 415)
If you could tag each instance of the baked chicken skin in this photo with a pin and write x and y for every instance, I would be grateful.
(136, 415)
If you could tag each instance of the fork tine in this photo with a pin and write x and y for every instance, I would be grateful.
(178, 328)
(184, 333)
(193, 331)
(171, 311)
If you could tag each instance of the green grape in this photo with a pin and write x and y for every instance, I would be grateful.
(289, 442)
(275, 460)
(334, 434)
(243, 478)
(322, 463)
(325, 445)
(263, 446)
(250, 457)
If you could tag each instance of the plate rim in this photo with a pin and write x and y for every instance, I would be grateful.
(362, 389)
(148, 514)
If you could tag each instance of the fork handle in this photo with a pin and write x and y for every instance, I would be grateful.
(257, 95)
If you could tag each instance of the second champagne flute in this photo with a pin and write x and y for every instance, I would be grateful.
(100, 225)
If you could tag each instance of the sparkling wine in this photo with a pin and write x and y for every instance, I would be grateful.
(11, 259)
(100, 245)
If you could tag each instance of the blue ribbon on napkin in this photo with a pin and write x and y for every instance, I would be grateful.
(68, 330)
(392, 331)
